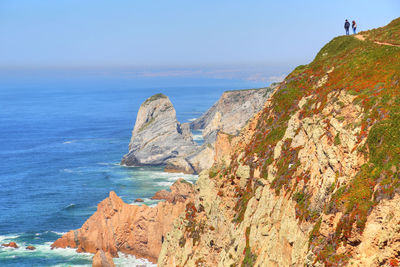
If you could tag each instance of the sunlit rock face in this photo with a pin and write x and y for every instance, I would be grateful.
(157, 135)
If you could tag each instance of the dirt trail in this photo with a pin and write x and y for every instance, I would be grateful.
(362, 38)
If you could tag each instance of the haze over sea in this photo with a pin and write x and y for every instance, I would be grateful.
(61, 142)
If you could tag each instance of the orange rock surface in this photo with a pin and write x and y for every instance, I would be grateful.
(11, 245)
(102, 259)
(117, 226)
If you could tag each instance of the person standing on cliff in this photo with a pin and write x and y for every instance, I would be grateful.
(354, 26)
(347, 26)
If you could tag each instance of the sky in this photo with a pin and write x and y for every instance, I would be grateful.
(219, 38)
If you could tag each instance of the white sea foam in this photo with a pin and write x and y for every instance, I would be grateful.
(108, 164)
(130, 260)
(45, 249)
(69, 254)
(166, 184)
(69, 142)
(146, 201)
(70, 205)
(193, 119)
(198, 137)
(8, 237)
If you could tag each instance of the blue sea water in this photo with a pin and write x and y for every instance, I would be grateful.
(60, 145)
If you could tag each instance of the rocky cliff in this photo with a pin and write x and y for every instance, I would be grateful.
(231, 112)
(229, 115)
(138, 230)
(314, 178)
(158, 138)
(157, 135)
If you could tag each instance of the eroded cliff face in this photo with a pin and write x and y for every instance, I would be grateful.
(138, 230)
(157, 135)
(313, 179)
(228, 115)
(231, 112)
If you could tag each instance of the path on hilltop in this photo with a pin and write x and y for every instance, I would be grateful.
(362, 38)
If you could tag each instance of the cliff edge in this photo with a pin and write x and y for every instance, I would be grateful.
(314, 178)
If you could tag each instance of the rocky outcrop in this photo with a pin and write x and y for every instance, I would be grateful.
(312, 179)
(180, 192)
(179, 164)
(157, 135)
(138, 230)
(228, 115)
(103, 259)
(231, 112)
(158, 138)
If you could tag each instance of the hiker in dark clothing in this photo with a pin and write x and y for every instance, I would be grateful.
(354, 26)
(347, 26)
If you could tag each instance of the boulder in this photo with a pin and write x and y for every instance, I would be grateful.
(103, 259)
(180, 165)
(139, 200)
(30, 248)
(181, 191)
(10, 245)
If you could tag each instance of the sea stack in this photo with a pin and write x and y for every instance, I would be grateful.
(157, 135)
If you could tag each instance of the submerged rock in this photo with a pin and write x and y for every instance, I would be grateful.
(157, 135)
(30, 248)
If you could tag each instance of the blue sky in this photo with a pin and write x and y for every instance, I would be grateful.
(166, 37)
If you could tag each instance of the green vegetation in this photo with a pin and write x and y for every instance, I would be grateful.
(355, 65)
(249, 89)
(249, 258)
(337, 140)
(378, 93)
(367, 71)
(147, 124)
(213, 172)
(241, 204)
(388, 34)
(155, 97)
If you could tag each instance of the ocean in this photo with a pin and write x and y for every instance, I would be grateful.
(61, 141)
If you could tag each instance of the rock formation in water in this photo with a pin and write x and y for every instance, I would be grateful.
(158, 138)
(314, 178)
(229, 115)
(157, 135)
(10, 245)
(138, 230)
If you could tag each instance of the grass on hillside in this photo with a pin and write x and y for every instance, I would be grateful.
(371, 73)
